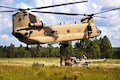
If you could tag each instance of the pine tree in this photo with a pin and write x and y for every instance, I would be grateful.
(105, 48)
(93, 50)
(11, 51)
(1, 51)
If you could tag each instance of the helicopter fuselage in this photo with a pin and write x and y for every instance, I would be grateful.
(30, 30)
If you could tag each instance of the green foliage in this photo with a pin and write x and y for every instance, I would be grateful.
(95, 48)
(116, 53)
(92, 48)
(21, 52)
(105, 47)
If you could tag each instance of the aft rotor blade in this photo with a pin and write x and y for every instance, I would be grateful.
(59, 5)
(8, 7)
(106, 11)
(9, 11)
(71, 14)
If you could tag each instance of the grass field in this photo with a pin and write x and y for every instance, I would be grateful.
(25, 69)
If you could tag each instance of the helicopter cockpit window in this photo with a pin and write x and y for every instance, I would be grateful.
(32, 18)
(89, 28)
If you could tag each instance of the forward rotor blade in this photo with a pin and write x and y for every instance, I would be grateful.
(8, 7)
(71, 14)
(93, 15)
(59, 5)
(106, 11)
(99, 17)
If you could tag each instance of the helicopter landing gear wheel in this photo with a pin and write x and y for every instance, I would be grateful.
(39, 47)
(27, 48)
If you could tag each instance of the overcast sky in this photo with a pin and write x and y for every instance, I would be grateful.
(109, 26)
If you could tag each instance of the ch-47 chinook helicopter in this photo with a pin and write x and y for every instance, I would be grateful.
(29, 29)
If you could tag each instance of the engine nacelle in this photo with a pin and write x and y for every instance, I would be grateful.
(87, 19)
(36, 25)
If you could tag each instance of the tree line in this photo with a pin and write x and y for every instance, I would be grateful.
(92, 48)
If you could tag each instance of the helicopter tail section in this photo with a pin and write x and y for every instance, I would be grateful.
(22, 20)
(23, 24)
